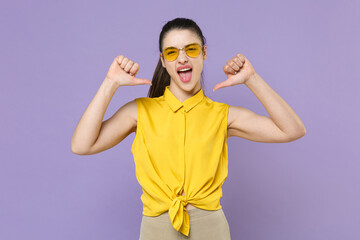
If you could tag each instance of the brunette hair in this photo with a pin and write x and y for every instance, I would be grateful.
(161, 77)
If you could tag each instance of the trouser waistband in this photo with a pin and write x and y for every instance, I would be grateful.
(193, 214)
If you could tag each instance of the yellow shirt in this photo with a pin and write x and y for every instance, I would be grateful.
(180, 147)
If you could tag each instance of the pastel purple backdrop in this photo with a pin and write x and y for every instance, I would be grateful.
(55, 54)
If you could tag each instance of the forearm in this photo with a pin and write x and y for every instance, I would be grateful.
(88, 128)
(280, 112)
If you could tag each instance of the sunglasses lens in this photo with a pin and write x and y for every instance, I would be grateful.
(193, 50)
(171, 54)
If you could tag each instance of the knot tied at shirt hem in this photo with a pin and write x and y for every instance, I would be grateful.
(179, 216)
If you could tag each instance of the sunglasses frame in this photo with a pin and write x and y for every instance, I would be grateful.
(179, 49)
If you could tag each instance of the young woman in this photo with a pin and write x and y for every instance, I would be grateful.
(180, 148)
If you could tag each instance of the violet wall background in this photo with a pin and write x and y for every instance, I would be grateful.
(55, 54)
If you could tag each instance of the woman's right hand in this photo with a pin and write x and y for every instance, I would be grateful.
(123, 71)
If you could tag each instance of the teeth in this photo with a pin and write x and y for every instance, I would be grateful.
(184, 69)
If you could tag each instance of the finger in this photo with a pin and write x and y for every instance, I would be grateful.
(124, 62)
(221, 85)
(238, 61)
(119, 59)
(242, 57)
(142, 81)
(233, 65)
(134, 69)
(128, 66)
(229, 70)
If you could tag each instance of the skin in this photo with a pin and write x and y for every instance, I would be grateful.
(283, 125)
(182, 91)
(93, 135)
(180, 38)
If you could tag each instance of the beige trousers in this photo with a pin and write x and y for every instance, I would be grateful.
(204, 224)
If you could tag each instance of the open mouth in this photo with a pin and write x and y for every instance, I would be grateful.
(185, 75)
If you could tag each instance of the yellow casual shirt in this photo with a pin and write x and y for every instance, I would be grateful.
(180, 147)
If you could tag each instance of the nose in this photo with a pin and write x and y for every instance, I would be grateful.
(182, 58)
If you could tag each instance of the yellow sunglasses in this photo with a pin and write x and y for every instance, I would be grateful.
(192, 50)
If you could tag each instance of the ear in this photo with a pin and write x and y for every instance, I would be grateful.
(205, 54)
(162, 60)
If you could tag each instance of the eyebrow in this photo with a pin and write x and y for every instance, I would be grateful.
(184, 46)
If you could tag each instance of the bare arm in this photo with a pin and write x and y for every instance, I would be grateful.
(283, 125)
(246, 124)
(92, 135)
(90, 125)
(282, 115)
(116, 128)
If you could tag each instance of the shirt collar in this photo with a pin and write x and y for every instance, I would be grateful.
(188, 104)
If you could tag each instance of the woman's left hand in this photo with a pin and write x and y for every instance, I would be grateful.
(238, 70)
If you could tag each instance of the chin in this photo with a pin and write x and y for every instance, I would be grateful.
(188, 86)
